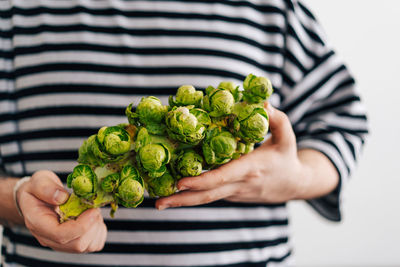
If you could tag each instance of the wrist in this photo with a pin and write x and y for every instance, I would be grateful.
(302, 179)
(16, 192)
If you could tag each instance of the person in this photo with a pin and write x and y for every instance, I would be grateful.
(70, 67)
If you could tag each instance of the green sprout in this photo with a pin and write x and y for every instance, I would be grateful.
(110, 144)
(83, 181)
(188, 163)
(256, 89)
(219, 145)
(251, 123)
(130, 191)
(150, 113)
(218, 101)
(162, 186)
(153, 158)
(186, 95)
(183, 126)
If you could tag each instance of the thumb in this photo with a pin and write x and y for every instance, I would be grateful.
(46, 186)
(280, 127)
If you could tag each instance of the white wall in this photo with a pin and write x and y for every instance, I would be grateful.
(366, 35)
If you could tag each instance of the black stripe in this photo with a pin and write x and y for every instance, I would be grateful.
(330, 129)
(170, 15)
(150, 203)
(292, 58)
(183, 51)
(42, 156)
(64, 110)
(188, 225)
(110, 11)
(306, 11)
(331, 107)
(35, 262)
(48, 133)
(121, 248)
(143, 32)
(169, 70)
(293, 33)
(308, 92)
(90, 88)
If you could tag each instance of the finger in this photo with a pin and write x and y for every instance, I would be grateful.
(231, 172)
(194, 198)
(98, 242)
(45, 222)
(280, 127)
(78, 245)
(46, 186)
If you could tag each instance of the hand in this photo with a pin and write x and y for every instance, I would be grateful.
(37, 199)
(269, 174)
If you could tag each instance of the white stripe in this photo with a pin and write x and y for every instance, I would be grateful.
(213, 62)
(104, 79)
(200, 214)
(54, 165)
(126, 40)
(345, 122)
(315, 77)
(6, 85)
(81, 99)
(335, 97)
(187, 259)
(51, 144)
(146, 23)
(306, 40)
(60, 122)
(201, 8)
(317, 96)
(298, 52)
(198, 237)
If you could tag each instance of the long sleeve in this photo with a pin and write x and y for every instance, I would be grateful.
(322, 102)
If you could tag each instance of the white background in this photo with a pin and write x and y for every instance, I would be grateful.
(366, 34)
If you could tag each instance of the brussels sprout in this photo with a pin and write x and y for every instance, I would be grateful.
(150, 113)
(153, 159)
(111, 144)
(243, 148)
(110, 182)
(219, 145)
(256, 89)
(186, 95)
(218, 102)
(188, 163)
(114, 140)
(130, 192)
(251, 123)
(162, 186)
(83, 181)
(231, 87)
(143, 138)
(183, 126)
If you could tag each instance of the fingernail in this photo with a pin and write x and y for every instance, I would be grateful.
(60, 196)
(270, 108)
(183, 187)
(163, 207)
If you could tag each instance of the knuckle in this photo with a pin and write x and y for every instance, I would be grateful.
(79, 247)
(209, 197)
(61, 239)
(253, 176)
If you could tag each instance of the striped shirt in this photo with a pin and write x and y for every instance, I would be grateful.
(68, 67)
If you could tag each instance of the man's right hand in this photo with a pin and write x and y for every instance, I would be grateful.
(37, 200)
